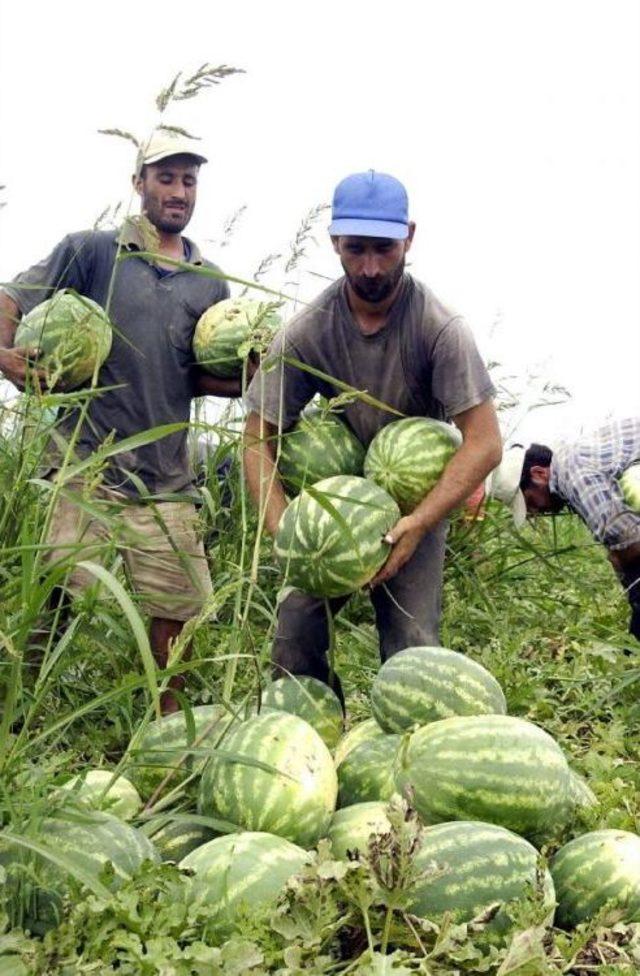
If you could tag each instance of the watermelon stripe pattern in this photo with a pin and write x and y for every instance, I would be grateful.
(222, 330)
(493, 768)
(352, 828)
(596, 869)
(294, 798)
(330, 538)
(424, 684)
(468, 866)
(630, 487)
(98, 789)
(367, 773)
(310, 700)
(174, 840)
(407, 457)
(317, 447)
(242, 873)
(361, 732)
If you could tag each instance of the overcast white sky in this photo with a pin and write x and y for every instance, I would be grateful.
(515, 126)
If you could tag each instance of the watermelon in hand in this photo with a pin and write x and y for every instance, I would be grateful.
(229, 330)
(72, 335)
(407, 457)
(330, 540)
(630, 487)
(318, 446)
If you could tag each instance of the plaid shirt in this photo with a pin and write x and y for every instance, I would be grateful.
(585, 474)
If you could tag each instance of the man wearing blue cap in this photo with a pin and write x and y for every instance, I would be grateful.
(375, 329)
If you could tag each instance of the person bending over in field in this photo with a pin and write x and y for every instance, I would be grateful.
(148, 380)
(377, 329)
(585, 477)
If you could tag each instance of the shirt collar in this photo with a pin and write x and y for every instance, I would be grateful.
(131, 238)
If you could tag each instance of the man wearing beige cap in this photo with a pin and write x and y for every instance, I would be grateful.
(143, 505)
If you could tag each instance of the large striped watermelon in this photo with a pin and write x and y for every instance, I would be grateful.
(242, 875)
(311, 700)
(330, 538)
(72, 334)
(292, 794)
(89, 841)
(226, 332)
(630, 487)
(494, 768)
(99, 790)
(361, 732)
(423, 684)
(367, 773)
(319, 446)
(407, 457)
(352, 828)
(467, 866)
(162, 749)
(597, 869)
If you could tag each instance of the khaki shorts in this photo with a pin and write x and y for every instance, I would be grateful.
(159, 542)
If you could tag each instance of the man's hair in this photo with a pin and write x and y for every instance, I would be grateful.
(535, 455)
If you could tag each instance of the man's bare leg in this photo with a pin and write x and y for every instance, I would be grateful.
(161, 633)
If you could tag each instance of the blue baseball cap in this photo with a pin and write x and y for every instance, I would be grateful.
(370, 205)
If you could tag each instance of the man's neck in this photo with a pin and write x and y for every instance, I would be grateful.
(371, 316)
(171, 245)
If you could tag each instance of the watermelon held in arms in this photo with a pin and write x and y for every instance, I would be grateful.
(330, 540)
(72, 335)
(310, 700)
(464, 867)
(630, 487)
(318, 446)
(423, 684)
(227, 332)
(598, 869)
(407, 457)
(241, 876)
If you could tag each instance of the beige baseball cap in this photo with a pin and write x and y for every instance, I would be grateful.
(504, 483)
(164, 143)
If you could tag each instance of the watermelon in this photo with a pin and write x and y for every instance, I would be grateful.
(352, 828)
(361, 732)
(226, 332)
(99, 790)
(630, 487)
(174, 839)
(90, 841)
(330, 538)
(494, 768)
(72, 334)
(598, 869)
(367, 773)
(318, 446)
(311, 700)
(162, 746)
(241, 875)
(467, 866)
(294, 797)
(422, 684)
(407, 457)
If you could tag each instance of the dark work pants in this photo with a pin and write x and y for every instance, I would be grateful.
(630, 579)
(407, 610)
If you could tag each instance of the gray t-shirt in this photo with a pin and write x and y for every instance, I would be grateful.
(154, 314)
(423, 362)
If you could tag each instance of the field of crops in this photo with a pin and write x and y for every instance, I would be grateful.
(87, 892)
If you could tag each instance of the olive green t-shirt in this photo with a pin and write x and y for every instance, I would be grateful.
(423, 362)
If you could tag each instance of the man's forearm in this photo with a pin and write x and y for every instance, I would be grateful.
(260, 471)
(9, 318)
(208, 385)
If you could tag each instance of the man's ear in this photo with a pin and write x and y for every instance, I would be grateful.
(540, 475)
(409, 240)
(136, 183)
(336, 242)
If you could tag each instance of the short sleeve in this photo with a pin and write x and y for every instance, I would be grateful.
(459, 377)
(66, 267)
(597, 499)
(280, 389)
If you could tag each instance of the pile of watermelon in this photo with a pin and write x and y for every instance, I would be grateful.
(240, 802)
